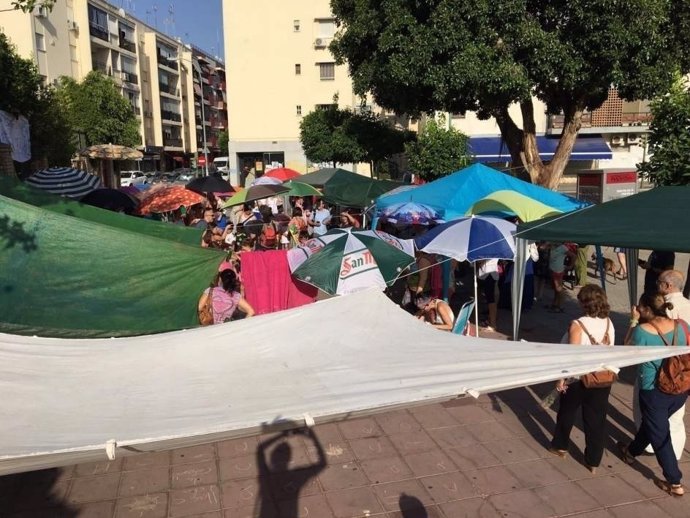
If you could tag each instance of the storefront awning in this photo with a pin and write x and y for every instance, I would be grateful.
(494, 149)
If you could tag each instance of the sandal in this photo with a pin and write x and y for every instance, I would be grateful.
(672, 489)
(558, 453)
(626, 456)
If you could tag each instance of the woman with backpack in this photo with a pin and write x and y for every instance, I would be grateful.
(590, 392)
(657, 404)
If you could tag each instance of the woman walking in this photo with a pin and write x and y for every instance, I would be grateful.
(593, 328)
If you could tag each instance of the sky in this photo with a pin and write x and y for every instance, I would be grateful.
(199, 22)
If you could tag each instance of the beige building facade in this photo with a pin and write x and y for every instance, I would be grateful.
(153, 71)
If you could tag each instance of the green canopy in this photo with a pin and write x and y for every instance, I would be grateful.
(655, 220)
(65, 276)
(357, 193)
(19, 191)
(321, 177)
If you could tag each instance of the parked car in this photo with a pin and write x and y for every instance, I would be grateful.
(128, 178)
(184, 174)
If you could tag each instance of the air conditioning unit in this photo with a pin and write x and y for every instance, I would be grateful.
(72, 26)
(633, 139)
(42, 12)
(617, 140)
(320, 43)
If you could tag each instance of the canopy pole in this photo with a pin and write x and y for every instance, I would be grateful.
(476, 302)
(631, 256)
(445, 276)
(518, 282)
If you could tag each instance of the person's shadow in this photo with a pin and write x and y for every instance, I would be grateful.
(411, 507)
(291, 480)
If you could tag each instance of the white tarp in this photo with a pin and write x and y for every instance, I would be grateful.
(63, 400)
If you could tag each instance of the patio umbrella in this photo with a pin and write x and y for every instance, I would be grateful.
(282, 173)
(297, 255)
(471, 239)
(354, 261)
(209, 184)
(111, 152)
(267, 180)
(255, 192)
(169, 198)
(412, 213)
(301, 189)
(111, 199)
(65, 181)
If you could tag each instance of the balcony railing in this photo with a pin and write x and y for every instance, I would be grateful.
(99, 32)
(130, 77)
(169, 89)
(127, 45)
(167, 62)
(171, 116)
(102, 66)
(172, 142)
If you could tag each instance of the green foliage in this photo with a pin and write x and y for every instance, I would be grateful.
(28, 5)
(341, 136)
(438, 151)
(223, 138)
(23, 92)
(669, 140)
(97, 111)
(479, 55)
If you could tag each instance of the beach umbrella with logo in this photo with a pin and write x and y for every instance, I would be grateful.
(356, 260)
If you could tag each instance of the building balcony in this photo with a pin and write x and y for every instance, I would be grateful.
(127, 45)
(168, 115)
(172, 141)
(129, 77)
(169, 89)
(167, 62)
(102, 66)
(99, 32)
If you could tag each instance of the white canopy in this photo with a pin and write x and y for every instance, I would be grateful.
(65, 401)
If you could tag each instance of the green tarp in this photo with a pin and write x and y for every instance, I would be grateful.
(68, 277)
(348, 189)
(19, 191)
(657, 219)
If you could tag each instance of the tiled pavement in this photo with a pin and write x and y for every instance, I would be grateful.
(464, 458)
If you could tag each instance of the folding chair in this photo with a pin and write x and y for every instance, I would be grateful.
(460, 326)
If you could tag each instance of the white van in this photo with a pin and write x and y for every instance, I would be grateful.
(222, 165)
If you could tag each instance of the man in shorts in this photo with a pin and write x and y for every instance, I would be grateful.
(557, 256)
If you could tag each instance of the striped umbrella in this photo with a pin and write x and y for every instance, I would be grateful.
(355, 260)
(65, 181)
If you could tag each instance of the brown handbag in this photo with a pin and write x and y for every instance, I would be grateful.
(599, 379)
(206, 312)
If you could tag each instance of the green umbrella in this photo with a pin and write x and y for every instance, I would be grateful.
(255, 192)
(357, 260)
(301, 189)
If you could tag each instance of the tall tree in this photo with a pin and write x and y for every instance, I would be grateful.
(485, 55)
(223, 137)
(98, 112)
(669, 139)
(438, 151)
(29, 5)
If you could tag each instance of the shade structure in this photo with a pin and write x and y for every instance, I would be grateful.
(256, 192)
(111, 199)
(209, 184)
(321, 177)
(283, 174)
(411, 213)
(356, 192)
(356, 260)
(111, 152)
(471, 239)
(301, 189)
(169, 198)
(361, 354)
(508, 203)
(65, 181)
(297, 255)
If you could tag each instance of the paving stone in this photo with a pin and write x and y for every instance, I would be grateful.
(489, 431)
(434, 416)
(305, 507)
(536, 473)
(92, 510)
(143, 506)
(429, 463)
(419, 511)
(236, 494)
(342, 476)
(567, 498)
(202, 453)
(448, 487)
(470, 414)
(336, 452)
(35, 490)
(521, 504)
(469, 508)
(496, 479)
(644, 509)
(194, 500)
(645, 486)
(93, 489)
(147, 461)
(394, 494)
(453, 437)
(266, 510)
(98, 468)
(359, 428)
(471, 457)
(354, 503)
(238, 467)
(379, 471)
(399, 421)
(372, 448)
(290, 485)
(512, 450)
(237, 447)
(673, 507)
(145, 481)
(412, 442)
(200, 474)
(285, 454)
(609, 490)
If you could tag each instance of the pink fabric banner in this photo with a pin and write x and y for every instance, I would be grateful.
(268, 285)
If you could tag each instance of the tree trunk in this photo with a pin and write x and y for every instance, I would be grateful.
(553, 172)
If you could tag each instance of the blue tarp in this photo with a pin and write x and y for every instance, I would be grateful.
(493, 149)
(457, 193)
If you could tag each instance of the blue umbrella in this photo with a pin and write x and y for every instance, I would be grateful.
(411, 213)
(471, 239)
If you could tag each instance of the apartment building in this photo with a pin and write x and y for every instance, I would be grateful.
(153, 71)
(285, 70)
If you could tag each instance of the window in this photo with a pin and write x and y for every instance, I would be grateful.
(326, 28)
(457, 115)
(327, 71)
(298, 69)
(326, 106)
(98, 18)
(299, 109)
(296, 25)
(40, 42)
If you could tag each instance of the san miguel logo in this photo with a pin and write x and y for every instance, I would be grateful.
(389, 239)
(356, 263)
(314, 245)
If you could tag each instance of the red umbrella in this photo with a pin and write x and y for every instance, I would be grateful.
(283, 174)
(169, 198)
